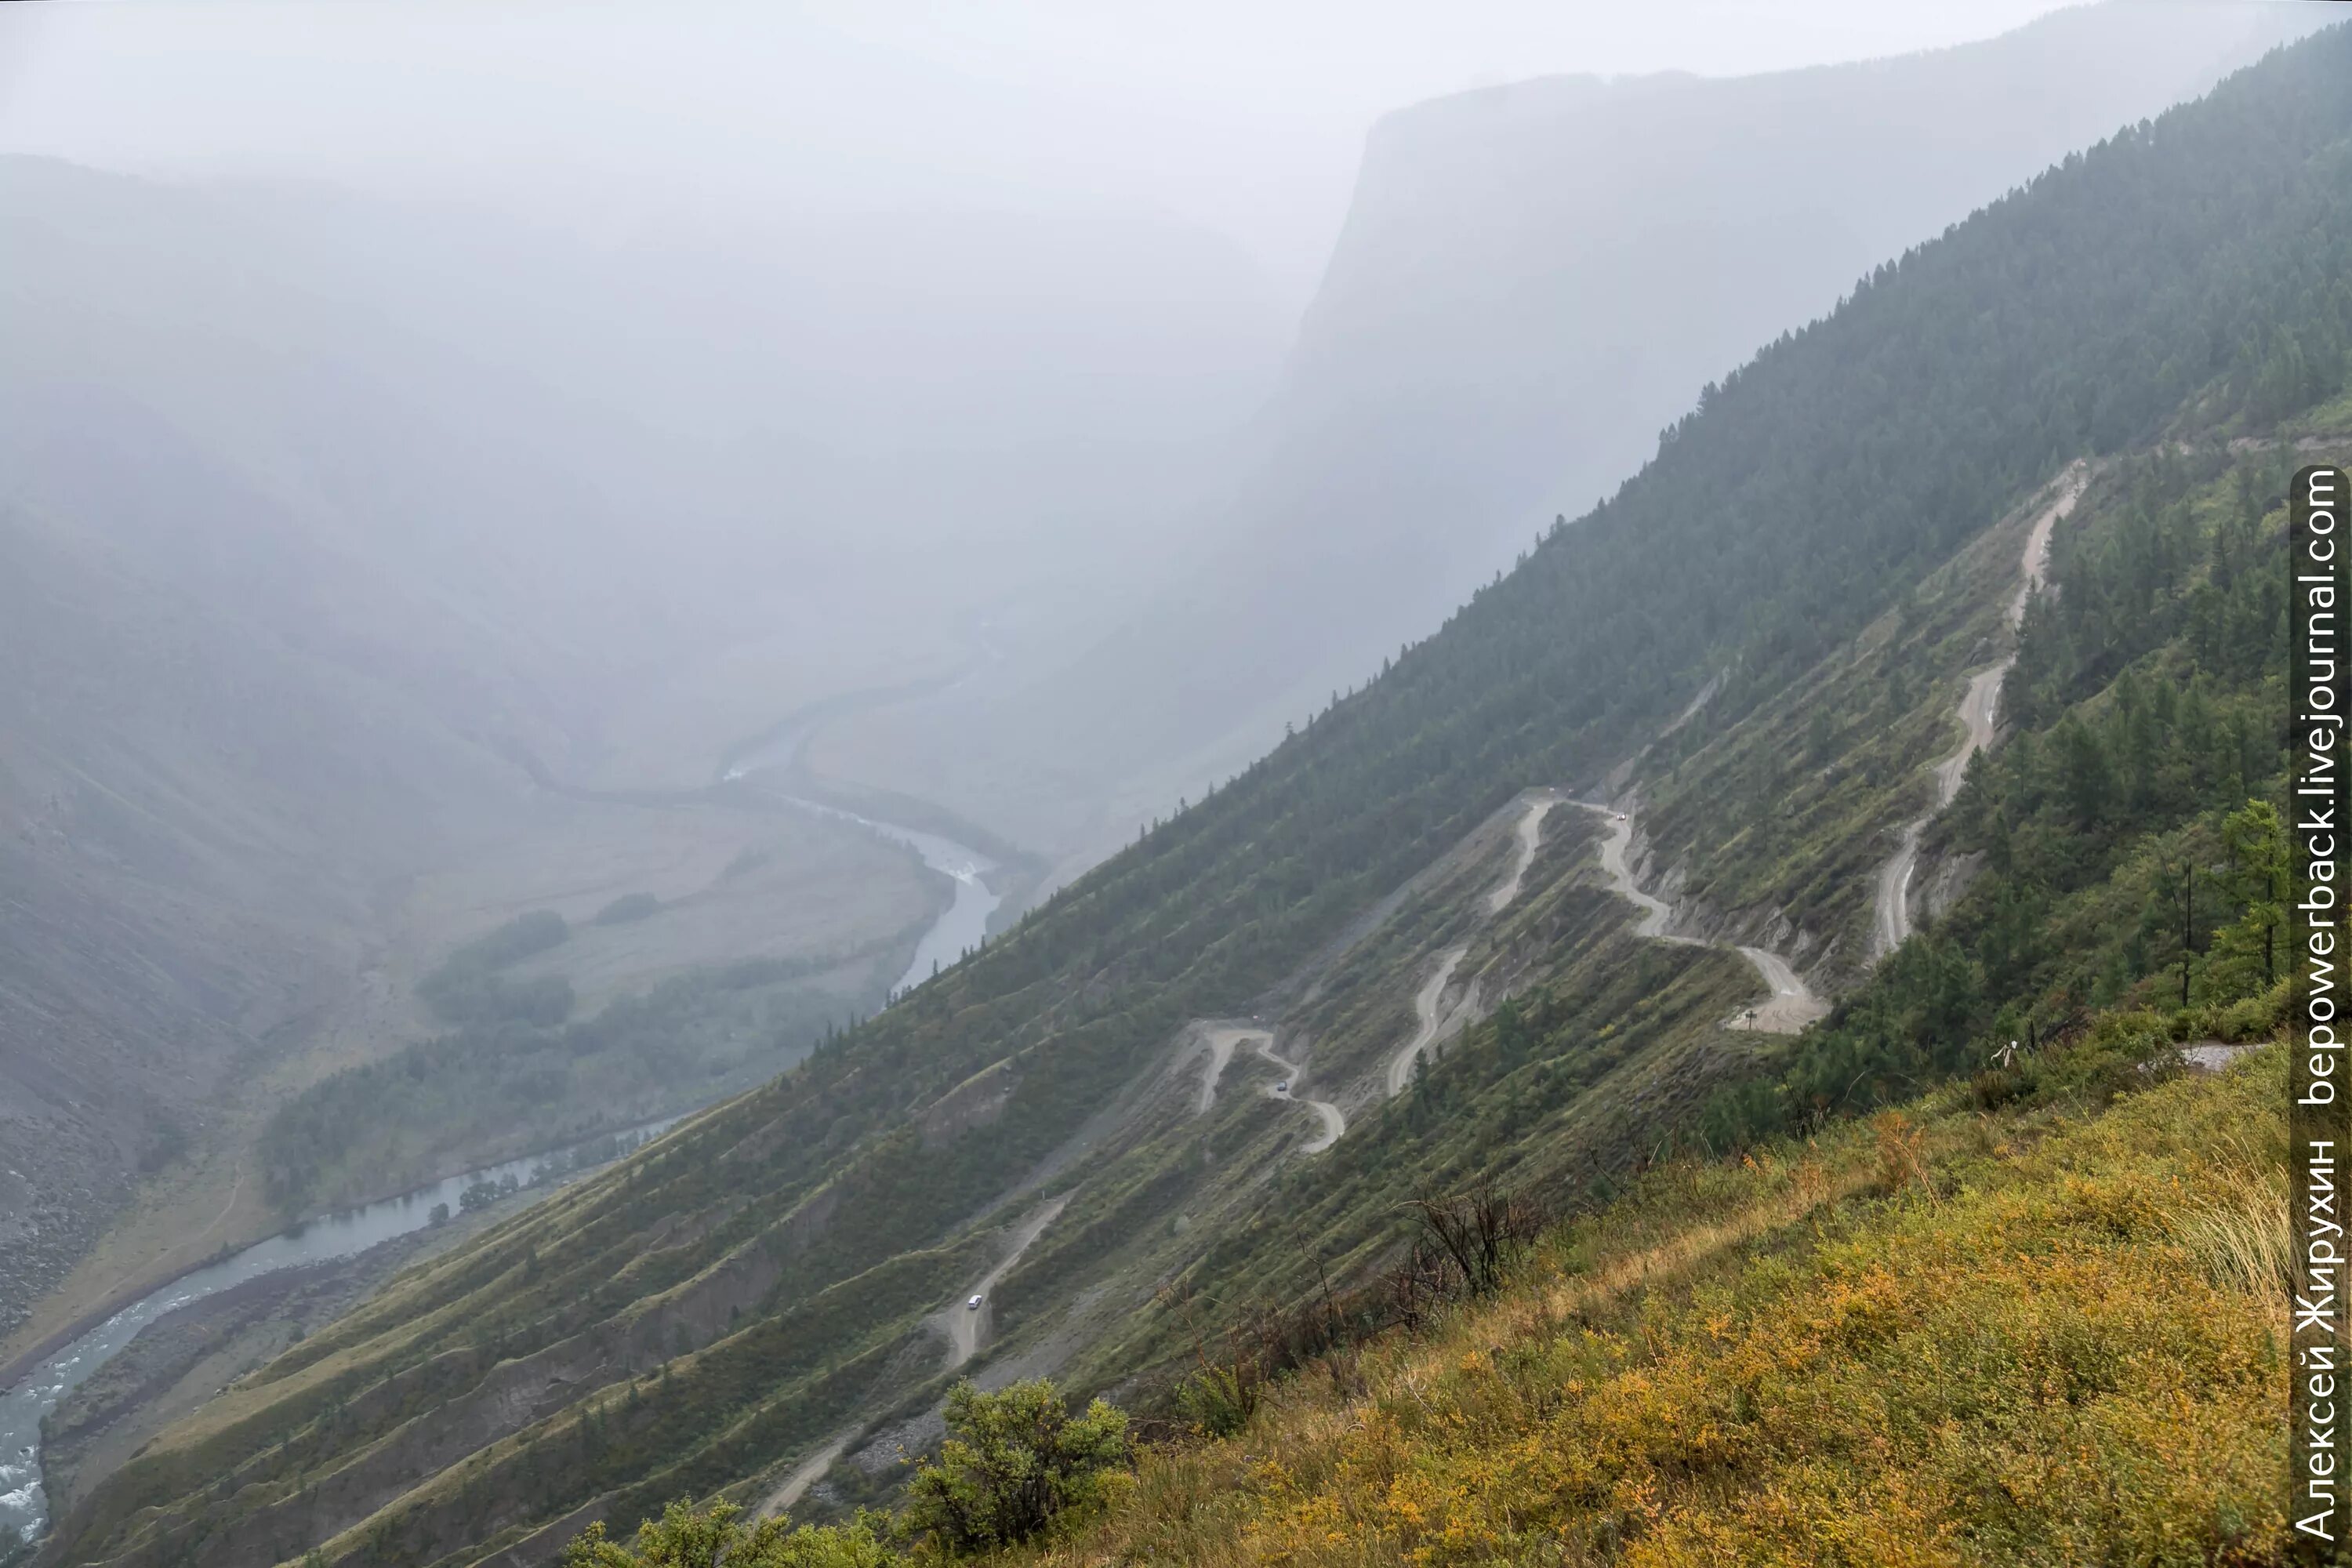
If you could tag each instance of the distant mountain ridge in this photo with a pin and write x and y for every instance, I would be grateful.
(1532, 281)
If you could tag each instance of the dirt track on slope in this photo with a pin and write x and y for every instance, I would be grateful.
(1654, 914)
(1530, 838)
(1792, 1004)
(1222, 1038)
(1333, 1123)
(966, 1326)
(807, 1475)
(1430, 1019)
(1978, 714)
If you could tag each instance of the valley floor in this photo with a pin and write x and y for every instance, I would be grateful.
(733, 885)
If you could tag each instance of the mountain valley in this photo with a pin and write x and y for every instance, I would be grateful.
(1952, 618)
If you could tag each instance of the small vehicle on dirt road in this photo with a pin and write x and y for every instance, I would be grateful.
(972, 1305)
(1281, 1088)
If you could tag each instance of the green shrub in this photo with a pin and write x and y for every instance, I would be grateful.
(686, 1538)
(1220, 1400)
(1013, 1462)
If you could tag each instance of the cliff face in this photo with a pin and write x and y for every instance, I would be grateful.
(1532, 281)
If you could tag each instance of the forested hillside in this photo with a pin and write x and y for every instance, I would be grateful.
(2120, 839)
(2027, 1315)
(720, 1305)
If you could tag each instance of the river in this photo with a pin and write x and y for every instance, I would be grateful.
(24, 1506)
(959, 929)
(961, 926)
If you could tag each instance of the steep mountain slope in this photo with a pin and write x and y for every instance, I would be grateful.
(231, 756)
(1533, 279)
(2030, 1316)
(725, 1303)
(328, 518)
(247, 715)
(2039, 1333)
(201, 797)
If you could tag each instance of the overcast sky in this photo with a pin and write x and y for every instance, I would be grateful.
(1242, 116)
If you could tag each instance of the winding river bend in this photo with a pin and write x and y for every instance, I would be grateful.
(23, 1507)
(962, 923)
(771, 764)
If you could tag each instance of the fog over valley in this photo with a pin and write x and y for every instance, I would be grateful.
(559, 562)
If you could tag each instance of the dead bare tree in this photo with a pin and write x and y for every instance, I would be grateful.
(1482, 1233)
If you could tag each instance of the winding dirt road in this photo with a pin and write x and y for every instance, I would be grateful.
(1892, 920)
(968, 1326)
(1654, 914)
(806, 1476)
(1978, 713)
(1531, 836)
(1430, 1017)
(1792, 1004)
(1333, 1124)
(1426, 1009)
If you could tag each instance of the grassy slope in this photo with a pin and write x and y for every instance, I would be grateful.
(2032, 1317)
(1252, 1223)
(1771, 826)
(1940, 1336)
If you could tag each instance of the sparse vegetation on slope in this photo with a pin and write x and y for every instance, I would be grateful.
(1933, 1337)
(720, 1304)
(2123, 840)
(2047, 1333)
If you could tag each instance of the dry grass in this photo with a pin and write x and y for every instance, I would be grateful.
(1938, 1339)
(2243, 1233)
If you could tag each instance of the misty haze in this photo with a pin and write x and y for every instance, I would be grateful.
(736, 740)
